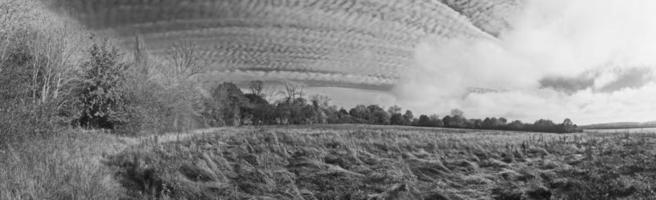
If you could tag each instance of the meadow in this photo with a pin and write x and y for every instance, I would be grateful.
(332, 162)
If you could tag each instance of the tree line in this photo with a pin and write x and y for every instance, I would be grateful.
(253, 109)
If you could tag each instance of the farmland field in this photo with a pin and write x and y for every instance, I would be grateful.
(387, 162)
(621, 130)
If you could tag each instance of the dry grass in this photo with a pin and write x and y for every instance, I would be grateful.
(331, 162)
(373, 162)
(63, 166)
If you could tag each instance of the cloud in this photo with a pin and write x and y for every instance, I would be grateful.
(588, 60)
(369, 38)
(628, 78)
(601, 80)
(566, 84)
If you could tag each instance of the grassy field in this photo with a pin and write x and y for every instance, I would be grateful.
(381, 162)
(331, 162)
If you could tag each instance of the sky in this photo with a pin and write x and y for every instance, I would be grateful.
(589, 60)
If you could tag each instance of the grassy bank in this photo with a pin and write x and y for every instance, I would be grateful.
(66, 165)
(362, 162)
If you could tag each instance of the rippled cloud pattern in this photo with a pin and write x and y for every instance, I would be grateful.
(352, 42)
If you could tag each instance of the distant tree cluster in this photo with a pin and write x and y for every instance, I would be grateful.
(228, 105)
(294, 108)
(457, 120)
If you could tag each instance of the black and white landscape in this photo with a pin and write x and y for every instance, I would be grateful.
(327, 99)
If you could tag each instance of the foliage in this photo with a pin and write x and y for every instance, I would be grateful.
(147, 110)
(98, 96)
(397, 119)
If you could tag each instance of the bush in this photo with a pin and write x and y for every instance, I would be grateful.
(144, 110)
(16, 77)
(98, 95)
(28, 104)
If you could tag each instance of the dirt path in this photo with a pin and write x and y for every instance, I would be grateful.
(169, 137)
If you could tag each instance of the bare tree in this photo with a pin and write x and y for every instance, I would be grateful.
(185, 60)
(321, 101)
(185, 63)
(256, 87)
(271, 93)
(54, 53)
(141, 57)
(52, 45)
(293, 91)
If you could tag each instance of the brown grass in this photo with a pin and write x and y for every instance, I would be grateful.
(374, 162)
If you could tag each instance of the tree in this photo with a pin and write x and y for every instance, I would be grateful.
(455, 121)
(544, 125)
(568, 122)
(568, 126)
(38, 65)
(490, 123)
(293, 91)
(516, 125)
(344, 116)
(320, 101)
(310, 115)
(360, 112)
(256, 87)
(475, 123)
(98, 96)
(435, 121)
(394, 110)
(408, 117)
(378, 115)
(457, 113)
(227, 103)
(259, 110)
(332, 115)
(184, 64)
(343, 112)
(397, 119)
(502, 121)
(424, 120)
(447, 121)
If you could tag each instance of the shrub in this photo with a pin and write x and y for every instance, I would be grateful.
(100, 101)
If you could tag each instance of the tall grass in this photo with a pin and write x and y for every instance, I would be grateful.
(355, 162)
(64, 165)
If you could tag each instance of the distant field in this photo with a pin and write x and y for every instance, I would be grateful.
(387, 162)
(622, 130)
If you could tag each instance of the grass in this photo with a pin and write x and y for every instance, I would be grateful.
(62, 166)
(331, 162)
(375, 162)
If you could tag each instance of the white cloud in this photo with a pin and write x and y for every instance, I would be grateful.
(551, 38)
